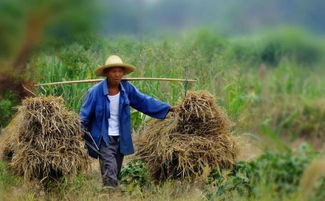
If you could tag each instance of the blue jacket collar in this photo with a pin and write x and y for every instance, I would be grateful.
(105, 86)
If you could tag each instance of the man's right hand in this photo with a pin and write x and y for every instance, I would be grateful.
(173, 109)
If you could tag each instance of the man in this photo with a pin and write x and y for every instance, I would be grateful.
(105, 113)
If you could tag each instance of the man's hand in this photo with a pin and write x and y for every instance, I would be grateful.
(173, 109)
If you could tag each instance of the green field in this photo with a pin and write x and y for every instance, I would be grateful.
(271, 85)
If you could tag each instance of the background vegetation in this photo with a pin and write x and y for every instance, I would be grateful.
(263, 82)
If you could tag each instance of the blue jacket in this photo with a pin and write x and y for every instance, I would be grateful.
(94, 112)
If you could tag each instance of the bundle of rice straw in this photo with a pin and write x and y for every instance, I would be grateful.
(43, 141)
(190, 142)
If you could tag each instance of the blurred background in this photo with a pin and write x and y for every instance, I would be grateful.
(67, 20)
(229, 17)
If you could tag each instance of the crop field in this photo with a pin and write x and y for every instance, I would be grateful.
(270, 85)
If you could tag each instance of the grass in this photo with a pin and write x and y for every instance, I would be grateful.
(273, 176)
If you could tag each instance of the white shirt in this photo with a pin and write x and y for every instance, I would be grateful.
(113, 121)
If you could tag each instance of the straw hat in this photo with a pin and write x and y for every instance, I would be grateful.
(114, 61)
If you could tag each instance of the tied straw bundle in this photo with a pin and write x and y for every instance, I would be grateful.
(43, 141)
(190, 142)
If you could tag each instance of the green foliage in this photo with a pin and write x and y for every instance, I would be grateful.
(272, 135)
(208, 43)
(312, 117)
(319, 193)
(75, 59)
(137, 118)
(235, 98)
(73, 21)
(289, 44)
(7, 104)
(307, 120)
(280, 171)
(244, 50)
(271, 48)
(6, 178)
(11, 17)
(66, 21)
(135, 175)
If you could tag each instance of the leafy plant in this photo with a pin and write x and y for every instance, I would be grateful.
(282, 170)
(135, 174)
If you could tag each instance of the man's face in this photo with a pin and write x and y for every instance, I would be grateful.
(115, 74)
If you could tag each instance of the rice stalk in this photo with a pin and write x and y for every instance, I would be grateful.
(195, 138)
(46, 144)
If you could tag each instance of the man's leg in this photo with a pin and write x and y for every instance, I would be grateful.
(110, 161)
(119, 161)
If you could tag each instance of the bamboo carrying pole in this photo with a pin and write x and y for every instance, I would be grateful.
(128, 79)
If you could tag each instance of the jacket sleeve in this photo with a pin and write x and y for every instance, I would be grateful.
(87, 111)
(146, 104)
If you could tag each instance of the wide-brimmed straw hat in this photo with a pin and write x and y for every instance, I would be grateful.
(114, 61)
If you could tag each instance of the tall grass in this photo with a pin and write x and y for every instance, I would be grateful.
(255, 92)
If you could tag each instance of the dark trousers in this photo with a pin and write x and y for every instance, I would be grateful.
(110, 161)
